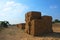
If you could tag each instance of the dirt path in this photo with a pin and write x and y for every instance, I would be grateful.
(14, 33)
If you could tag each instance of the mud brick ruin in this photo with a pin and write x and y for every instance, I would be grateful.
(21, 26)
(37, 24)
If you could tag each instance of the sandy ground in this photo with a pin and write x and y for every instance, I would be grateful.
(14, 33)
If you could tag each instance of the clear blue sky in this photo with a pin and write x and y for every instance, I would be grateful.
(14, 10)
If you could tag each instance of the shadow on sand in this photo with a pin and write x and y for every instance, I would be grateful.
(54, 34)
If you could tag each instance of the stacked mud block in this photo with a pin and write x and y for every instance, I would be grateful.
(21, 26)
(37, 24)
(29, 17)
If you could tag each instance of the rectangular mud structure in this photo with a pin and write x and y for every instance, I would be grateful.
(37, 24)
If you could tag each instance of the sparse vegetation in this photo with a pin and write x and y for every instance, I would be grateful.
(1, 28)
(3, 24)
(14, 33)
(56, 21)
